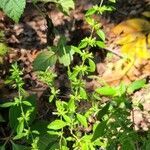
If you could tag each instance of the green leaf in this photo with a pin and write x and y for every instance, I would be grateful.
(106, 91)
(7, 104)
(147, 145)
(85, 146)
(82, 119)
(103, 111)
(44, 60)
(2, 147)
(57, 124)
(20, 127)
(90, 11)
(100, 44)
(19, 136)
(66, 5)
(136, 85)
(91, 65)
(46, 138)
(83, 93)
(27, 103)
(71, 105)
(14, 113)
(99, 131)
(76, 49)
(54, 133)
(13, 8)
(64, 148)
(19, 147)
(113, 1)
(101, 34)
(83, 44)
(67, 118)
(121, 89)
(3, 49)
(64, 52)
(90, 21)
(66, 55)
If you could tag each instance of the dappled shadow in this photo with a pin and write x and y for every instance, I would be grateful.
(26, 39)
(125, 9)
(29, 33)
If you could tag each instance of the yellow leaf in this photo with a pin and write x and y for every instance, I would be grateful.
(148, 41)
(141, 48)
(136, 49)
(128, 50)
(127, 38)
(131, 26)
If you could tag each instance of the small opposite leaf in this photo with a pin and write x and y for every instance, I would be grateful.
(106, 91)
(91, 65)
(83, 93)
(83, 44)
(82, 119)
(7, 104)
(135, 86)
(27, 103)
(100, 44)
(90, 11)
(67, 118)
(20, 127)
(71, 105)
(19, 136)
(101, 34)
(57, 124)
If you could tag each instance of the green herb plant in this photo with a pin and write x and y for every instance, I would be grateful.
(100, 125)
(21, 113)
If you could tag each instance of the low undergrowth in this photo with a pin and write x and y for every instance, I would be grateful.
(103, 124)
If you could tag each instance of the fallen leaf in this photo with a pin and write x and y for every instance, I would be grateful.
(132, 25)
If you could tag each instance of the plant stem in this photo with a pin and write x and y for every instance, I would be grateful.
(101, 3)
(22, 111)
(116, 53)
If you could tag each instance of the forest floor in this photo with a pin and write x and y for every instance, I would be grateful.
(27, 38)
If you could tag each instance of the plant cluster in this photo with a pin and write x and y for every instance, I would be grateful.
(102, 125)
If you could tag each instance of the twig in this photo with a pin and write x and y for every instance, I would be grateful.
(116, 53)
